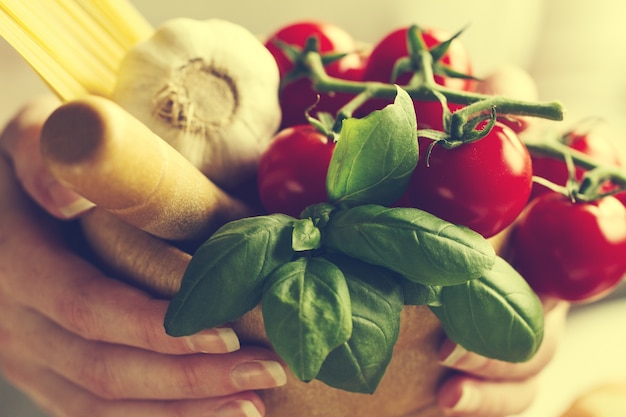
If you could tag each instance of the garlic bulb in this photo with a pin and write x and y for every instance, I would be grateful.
(210, 89)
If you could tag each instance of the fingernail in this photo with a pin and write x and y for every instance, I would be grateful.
(468, 401)
(68, 202)
(457, 357)
(259, 375)
(450, 353)
(238, 409)
(218, 340)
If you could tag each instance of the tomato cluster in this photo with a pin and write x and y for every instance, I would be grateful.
(588, 142)
(564, 249)
(573, 250)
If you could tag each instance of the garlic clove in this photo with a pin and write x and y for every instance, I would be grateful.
(210, 89)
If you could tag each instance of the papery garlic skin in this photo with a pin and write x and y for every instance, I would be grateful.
(210, 89)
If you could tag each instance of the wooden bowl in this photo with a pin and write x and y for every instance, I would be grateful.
(408, 388)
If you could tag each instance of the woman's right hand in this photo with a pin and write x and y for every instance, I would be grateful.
(81, 343)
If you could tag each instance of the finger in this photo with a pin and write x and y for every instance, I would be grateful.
(456, 357)
(20, 141)
(466, 396)
(75, 294)
(80, 299)
(60, 397)
(122, 372)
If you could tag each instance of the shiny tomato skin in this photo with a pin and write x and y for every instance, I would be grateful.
(555, 170)
(571, 251)
(430, 113)
(331, 38)
(292, 171)
(483, 185)
(298, 96)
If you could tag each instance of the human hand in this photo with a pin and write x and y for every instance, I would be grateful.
(81, 343)
(20, 142)
(485, 387)
(482, 387)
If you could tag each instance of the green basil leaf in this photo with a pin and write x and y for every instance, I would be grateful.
(360, 363)
(420, 246)
(417, 294)
(306, 311)
(306, 236)
(374, 156)
(497, 315)
(318, 213)
(225, 276)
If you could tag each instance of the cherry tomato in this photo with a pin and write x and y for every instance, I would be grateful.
(555, 170)
(298, 96)
(391, 48)
(483, 185)
(383, 57)
(430, 113)
(573, 251)
(292, 171)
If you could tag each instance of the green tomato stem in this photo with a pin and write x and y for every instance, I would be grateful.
(423, 87)
(597, 174)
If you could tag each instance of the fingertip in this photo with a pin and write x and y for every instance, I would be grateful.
(28, 121)
(50, 195)
(217, 340)
(455, 356)
(459, 396)
(20, 141)
(66, 203)
(450, 353)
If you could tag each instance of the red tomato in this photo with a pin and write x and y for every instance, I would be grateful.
(382, 59)
(483, 185)
(292, 171)
(391, 48)
(430, 113)
(555, 170)
(573, 251)
(298, 96)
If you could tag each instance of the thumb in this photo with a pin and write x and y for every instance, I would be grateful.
(20, 142)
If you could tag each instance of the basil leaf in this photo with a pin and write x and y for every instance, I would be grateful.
(416, 294)
(306, 311)
(360, 363)
(497, 315)
(420, 246)
(225, 277)
(306, 236)
(374, 156)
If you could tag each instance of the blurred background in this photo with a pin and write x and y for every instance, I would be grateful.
(574, 51)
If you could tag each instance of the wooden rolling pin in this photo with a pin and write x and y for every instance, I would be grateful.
(95, 147)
